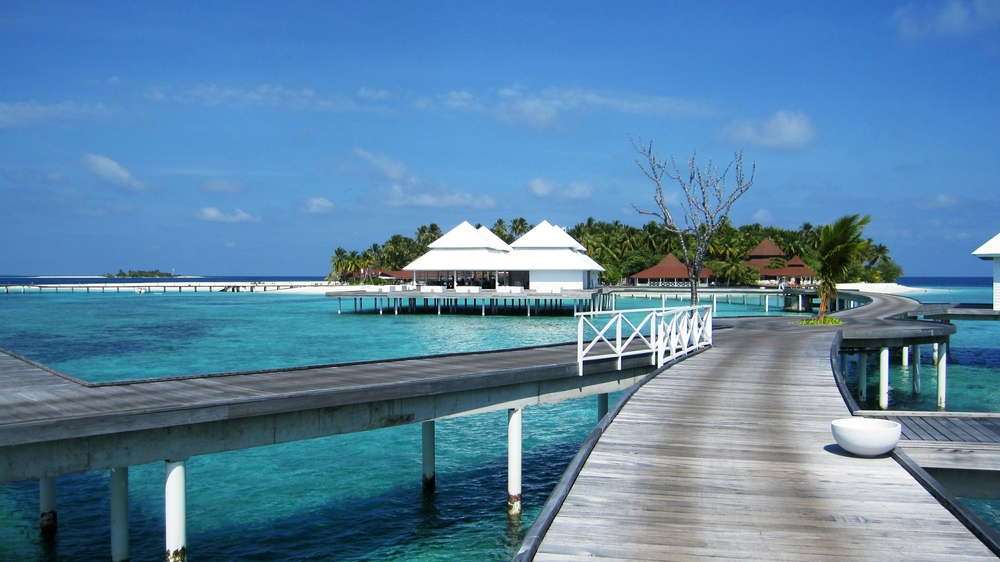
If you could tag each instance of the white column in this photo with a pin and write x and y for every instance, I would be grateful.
(935, 354)
(119, 514)
(715, 303)
(47, 505)
(916, 369)
(175, 501)
(863, 376)
(767, 302)
(602, 405)
(942, 378)
(906, 355)
(428, 455)
(883, 379)
(514, 461)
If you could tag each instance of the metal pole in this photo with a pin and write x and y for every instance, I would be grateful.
(175, 501)
(514, 461)
(119, 514)
(427, 431)
(883, 379)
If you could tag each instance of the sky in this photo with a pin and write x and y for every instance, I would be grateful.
(253, 138)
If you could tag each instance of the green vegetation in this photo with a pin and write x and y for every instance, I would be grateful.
(625, 250)
(141, 273)
(839, 247)
(826, 320)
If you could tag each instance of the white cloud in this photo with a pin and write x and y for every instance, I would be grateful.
(318, 205)
(24, 113)
(462, 100)
(940, 202)
(110, 171)
(547, 189)
(265, 95)
(785, 130)
(372, 94)
(763, 216)
(214, 215)
(223, 186)
(406, 189)
(542, 110)
(540, 187)
(953, 18)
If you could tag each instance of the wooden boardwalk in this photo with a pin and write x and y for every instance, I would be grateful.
(729, 455)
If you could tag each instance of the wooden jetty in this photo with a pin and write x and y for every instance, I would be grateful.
(729, 455)
(165, 285)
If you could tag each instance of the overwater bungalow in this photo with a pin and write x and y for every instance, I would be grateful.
(991, 251)
(775, 267)
(670, 272)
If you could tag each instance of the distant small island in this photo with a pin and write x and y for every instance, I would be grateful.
(141, 273)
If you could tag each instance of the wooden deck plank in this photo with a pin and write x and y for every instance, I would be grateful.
(729, 455)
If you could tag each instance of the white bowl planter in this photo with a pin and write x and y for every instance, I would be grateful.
(866, 437)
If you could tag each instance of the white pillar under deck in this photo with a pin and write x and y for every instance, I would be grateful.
(715, 303)
(935, 354)
(863, 376)
(175, 500)
(602, 405)
(47, 505)
(916, 369)
(119, 514)
(428, 455)
(942, 372)
(883, 379)
(514, 461)
(906, 356)
(767, 302)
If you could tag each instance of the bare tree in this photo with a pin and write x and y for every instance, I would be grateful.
(707, 201)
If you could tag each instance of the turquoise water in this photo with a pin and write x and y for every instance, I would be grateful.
(349, 497)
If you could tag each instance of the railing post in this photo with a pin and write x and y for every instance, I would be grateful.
(618, 339)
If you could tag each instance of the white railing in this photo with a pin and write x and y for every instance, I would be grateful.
(662, 333)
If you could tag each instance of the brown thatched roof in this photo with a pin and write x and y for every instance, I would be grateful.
(670, 268)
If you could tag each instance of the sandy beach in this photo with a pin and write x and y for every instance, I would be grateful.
(880, 288)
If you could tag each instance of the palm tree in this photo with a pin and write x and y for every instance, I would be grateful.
(337, 264)
(839, 246)
(519, 227)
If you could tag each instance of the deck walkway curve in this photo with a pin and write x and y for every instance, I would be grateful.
(728, 455)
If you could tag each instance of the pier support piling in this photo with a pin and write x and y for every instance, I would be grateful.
(602, 405)
(942, 374)
(47, 506)
(119, 514)
(427, 430)
(883, 379)
(514, 461)
(905, 356)
(176, 510)
(863, 376)
(916, 369)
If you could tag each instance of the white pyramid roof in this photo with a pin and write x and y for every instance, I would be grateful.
(989, 250)
(462, 248)
(547, 236)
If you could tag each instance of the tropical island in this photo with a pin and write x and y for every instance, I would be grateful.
(140, 273)
(624, 250)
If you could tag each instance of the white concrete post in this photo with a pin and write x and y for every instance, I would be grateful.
(119, 514)
(767, 302)
(175, 501)
(883, 379)
(47, 505)
(514, 461)
(906, 356)
(428, 455)
(602, 405)
(942, 375)
(715, 303)
(916, 369)
(935, 354)
(863, 376)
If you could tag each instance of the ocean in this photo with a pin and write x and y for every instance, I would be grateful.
(349, 497)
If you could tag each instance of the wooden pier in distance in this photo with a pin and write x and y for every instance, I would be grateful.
(729, 455)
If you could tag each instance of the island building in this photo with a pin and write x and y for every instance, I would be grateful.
(546, 258)
(775, 268)
(670, 272)
(991, 251)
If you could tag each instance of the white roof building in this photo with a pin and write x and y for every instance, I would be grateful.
(991, 251)
(546, 258)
